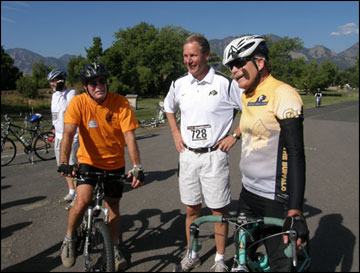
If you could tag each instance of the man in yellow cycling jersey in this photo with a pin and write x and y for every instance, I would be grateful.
(272, 155)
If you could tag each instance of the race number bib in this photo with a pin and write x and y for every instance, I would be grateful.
(201, 133)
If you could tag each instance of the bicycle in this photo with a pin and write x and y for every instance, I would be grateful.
(42, 144)
(245, 228)
(93, 237)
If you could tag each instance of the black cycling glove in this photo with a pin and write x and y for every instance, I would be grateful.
(65, 168)
(297, 223)
(138, 172)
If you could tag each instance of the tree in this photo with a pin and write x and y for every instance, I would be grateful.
(144, 60)
(39, 74)
(94, 52)
(9, 73)
(74, 66)
(281, 59)
(27, 87)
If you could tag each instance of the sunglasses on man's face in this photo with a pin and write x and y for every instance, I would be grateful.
(238, 63)
(94, 83)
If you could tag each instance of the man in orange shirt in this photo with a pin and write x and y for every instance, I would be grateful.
(106, 123)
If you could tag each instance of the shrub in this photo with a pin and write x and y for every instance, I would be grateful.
(26, 87)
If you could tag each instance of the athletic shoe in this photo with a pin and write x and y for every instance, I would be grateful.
(67, 199)
(187, 264)
(120, 261)
(68, 255)
(220, 266)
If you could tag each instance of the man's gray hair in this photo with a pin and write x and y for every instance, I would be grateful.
(201, 40)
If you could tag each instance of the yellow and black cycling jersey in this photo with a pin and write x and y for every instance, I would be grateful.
(272, 156)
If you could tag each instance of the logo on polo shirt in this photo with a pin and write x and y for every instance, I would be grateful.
(213, 92)
(260, 101)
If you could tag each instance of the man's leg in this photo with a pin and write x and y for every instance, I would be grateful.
(221, 231)
(192, 212)
(114, 217)
(82, 202)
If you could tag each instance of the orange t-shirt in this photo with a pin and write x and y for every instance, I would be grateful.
(101, 129)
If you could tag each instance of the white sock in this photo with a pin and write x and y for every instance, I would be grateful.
(219, 257)
(72, 191)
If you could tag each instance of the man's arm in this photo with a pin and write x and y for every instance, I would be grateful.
(228, 142)
(66, 143)
(179, 143)
(134, 154)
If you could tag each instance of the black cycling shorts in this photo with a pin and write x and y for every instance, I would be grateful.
(111, 189)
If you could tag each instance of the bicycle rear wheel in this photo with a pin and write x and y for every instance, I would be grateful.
(44, 146)
(8, 151)
(101, 250)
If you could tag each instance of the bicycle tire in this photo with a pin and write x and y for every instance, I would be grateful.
(8, 151)
(44, 146)
(101, 250)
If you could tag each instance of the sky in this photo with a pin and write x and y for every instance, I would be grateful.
(55, 28)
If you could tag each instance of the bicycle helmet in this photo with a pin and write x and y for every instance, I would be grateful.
(36, 117)
(93, 70)
(245, 47)
(57, 73)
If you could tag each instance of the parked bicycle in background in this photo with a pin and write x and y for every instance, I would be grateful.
(40, 143)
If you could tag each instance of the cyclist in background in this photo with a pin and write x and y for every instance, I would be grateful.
(106, 124)
(207, 100)
(59, 102)
(318, 96)
(272, 155)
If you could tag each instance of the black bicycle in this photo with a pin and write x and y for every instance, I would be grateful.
(40, 143)
(93, 236)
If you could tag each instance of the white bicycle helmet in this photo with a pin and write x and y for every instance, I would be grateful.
(57, 73)
(244, 47)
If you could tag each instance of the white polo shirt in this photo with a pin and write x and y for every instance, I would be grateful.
(207, 107)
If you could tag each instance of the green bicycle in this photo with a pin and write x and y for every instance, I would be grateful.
(245, 228)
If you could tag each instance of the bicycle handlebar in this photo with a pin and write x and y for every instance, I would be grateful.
(290, 250)
(104, 174)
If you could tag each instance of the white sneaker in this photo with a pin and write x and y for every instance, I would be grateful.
(187, 264)
(67, 199)
(220, 266)
(68, 207)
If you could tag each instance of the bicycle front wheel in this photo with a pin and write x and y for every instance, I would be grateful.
(8, 151)
(101, 250)
(44, 146)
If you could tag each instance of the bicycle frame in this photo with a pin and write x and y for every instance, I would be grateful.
(242, 261)
(94, 210)
(27, 146)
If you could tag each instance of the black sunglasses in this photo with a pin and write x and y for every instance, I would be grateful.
(94, 83)
(238, 63)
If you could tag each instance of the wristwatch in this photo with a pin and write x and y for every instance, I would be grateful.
(234, 135)
(138, 166)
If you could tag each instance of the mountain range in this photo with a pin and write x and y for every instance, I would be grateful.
(24, 59)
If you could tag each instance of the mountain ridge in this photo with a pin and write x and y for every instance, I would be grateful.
(24, 58)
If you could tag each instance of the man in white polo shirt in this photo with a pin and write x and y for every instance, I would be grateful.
(207, 100)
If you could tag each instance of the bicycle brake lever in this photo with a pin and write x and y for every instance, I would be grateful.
(293, 236)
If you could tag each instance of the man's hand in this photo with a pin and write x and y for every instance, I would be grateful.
(297, 223)
(137, 173)
(66, 170)
(226, 143)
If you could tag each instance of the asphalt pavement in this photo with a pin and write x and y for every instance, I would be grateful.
(33, 223)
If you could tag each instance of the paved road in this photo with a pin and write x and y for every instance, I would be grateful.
(33, 223)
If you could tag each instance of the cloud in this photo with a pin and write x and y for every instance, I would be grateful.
(347, 29)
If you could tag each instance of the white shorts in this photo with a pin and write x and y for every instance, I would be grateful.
(206, 173)
(73, 159)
